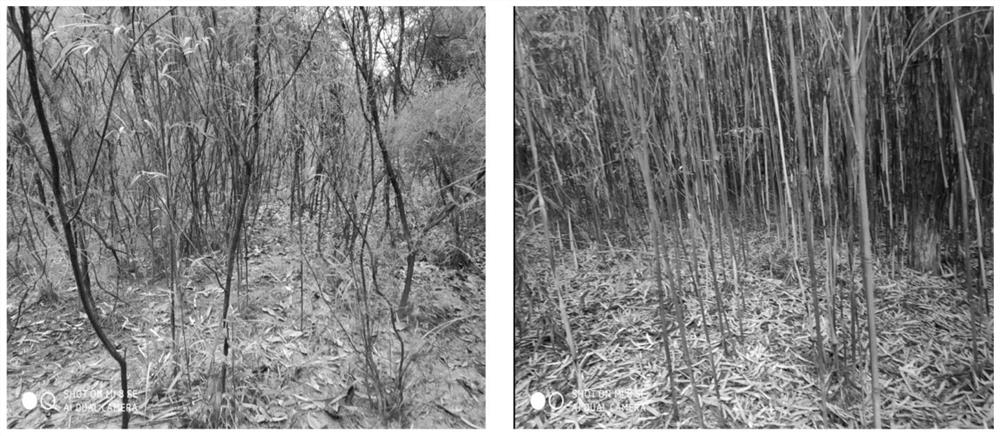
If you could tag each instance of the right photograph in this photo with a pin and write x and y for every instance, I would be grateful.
(753, 217)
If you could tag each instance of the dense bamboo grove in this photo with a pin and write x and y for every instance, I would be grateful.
(271, 217)
(847, 151)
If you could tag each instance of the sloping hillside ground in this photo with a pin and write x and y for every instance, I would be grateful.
(287, 371)
(768, 379)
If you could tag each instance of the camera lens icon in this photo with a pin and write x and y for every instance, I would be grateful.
(556, 401)
(47, 400)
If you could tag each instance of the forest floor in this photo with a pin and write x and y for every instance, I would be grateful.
(283, 375)
(769, 378)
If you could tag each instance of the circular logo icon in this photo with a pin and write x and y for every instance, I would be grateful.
(556, 401)
(29, 400)
(47, 400)
(537, 400)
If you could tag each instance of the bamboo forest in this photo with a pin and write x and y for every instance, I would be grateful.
(753, 217)
(247, 217)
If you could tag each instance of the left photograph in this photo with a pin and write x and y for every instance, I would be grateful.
(245, 217)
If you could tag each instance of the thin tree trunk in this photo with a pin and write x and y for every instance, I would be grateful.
(856, 58)
(642, 155)
(80, 274)
(963, 169)
(807, 209)
(781, 141)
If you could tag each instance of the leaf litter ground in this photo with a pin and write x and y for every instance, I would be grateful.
(769, 379)
(282, 375)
